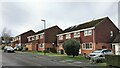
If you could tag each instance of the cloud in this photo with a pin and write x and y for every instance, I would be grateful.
(23, 16)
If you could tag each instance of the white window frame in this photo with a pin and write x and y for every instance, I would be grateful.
(33, 38)
(111, 33)
(87, 32)
(89, 45)
(68, 36)
(29, 39)
(37, 37)
(41, 36)
(19, 37)
(42, 45)
(76, 34)
(60, 37)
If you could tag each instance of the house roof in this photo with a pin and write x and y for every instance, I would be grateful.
(84, 25)
(26, 32)
(117, 39)
(41, 31)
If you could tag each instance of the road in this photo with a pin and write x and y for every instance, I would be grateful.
(28, 59)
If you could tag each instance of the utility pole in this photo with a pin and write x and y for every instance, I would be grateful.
(44, 36)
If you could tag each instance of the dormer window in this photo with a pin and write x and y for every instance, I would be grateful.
(76, 34)
(68, 36)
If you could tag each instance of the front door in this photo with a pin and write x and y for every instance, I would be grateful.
(36, 47)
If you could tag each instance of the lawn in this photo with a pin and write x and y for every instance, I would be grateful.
(63, 56)
(102, 64)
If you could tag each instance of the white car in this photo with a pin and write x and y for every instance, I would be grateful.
(8, 49)
(100, 52)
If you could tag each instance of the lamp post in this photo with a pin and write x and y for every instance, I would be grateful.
(44, 36)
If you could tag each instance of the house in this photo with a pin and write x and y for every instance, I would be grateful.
(44, 39)
(95, 34)
(22, 38)
(116, 45)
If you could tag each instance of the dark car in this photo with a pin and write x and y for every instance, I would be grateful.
(8, 49)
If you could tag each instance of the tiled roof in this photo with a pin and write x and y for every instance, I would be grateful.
(117, 39)
(25, 33)
(84, 25)
(41, 31)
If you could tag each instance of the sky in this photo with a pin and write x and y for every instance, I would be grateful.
(19, 16)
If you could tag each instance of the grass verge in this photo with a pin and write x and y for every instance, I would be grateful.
(63, 56)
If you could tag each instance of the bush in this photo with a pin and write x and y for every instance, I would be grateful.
(71, 47)
(97, 60)
(113, 60)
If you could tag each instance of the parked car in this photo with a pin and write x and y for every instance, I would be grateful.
(8, 49)
(18, 48)
(99, 52)
(97, 59)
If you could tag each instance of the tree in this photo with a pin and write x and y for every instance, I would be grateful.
(71, 47)
(5, 38)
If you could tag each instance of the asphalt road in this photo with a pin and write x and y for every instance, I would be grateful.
(28, 59)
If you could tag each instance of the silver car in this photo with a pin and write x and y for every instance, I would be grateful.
(100, 52)
(8, 49)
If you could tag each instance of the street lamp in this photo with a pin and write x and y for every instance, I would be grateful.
(44, 36)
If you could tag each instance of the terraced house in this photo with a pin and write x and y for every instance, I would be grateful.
(44, 39)
(22, 38)
(95, 34)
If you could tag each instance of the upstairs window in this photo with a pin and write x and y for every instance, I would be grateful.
(76, 34)
(111, 33)
(33, 38)
(61, 37)
(87, 32)
(41, 36)
(37, 37)
(29, 39)
(68, 36)
(19, 38)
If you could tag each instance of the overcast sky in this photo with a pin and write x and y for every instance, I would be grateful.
(21, 16)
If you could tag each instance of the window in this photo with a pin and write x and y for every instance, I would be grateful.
(41, 36)
(76, 34)
(111, 33)
(41, 45)
(34, 37)
(29, 39)
(61, 37)
(87, 46)
(87, 32)
(19, 37)
(68, 36)
(37, 37)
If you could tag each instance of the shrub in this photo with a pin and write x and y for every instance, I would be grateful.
(71, 47)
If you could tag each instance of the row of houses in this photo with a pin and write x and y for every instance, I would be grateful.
(95, 34)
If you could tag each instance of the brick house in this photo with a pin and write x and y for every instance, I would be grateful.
(116, 45)
(95, 34)
(22, 38)
(43, 39)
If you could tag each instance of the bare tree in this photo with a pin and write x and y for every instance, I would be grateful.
(6, 36)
